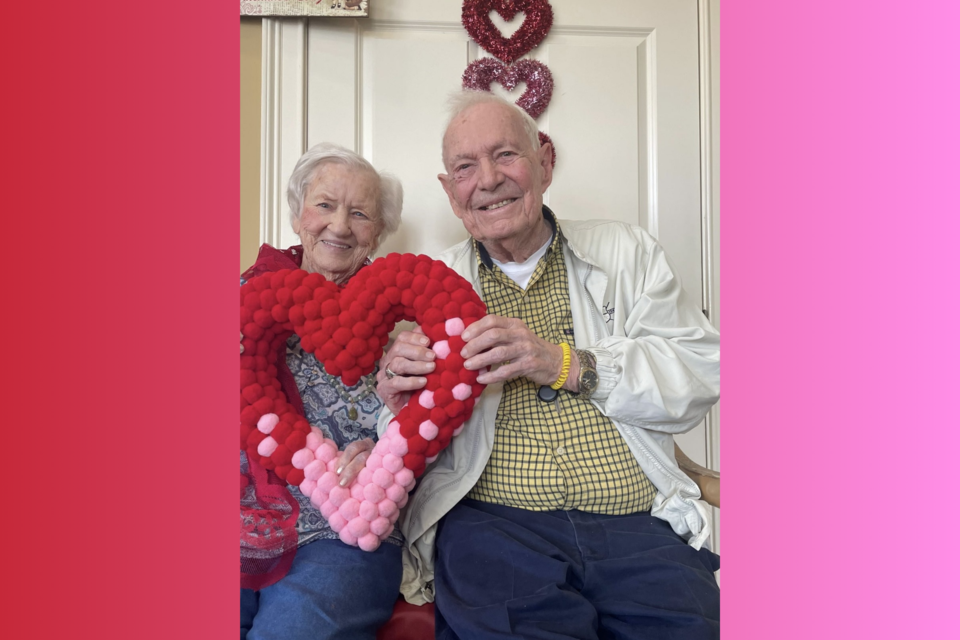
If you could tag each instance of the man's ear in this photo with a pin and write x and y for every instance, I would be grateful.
(545, 156)
(448, 186)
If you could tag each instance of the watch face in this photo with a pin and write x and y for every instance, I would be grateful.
(588, 381)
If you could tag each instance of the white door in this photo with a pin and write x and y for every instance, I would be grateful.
(624, 116)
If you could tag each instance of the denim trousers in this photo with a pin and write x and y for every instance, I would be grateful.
(503, 572)
(331, 591)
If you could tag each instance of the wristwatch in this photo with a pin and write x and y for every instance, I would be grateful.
(588, 379)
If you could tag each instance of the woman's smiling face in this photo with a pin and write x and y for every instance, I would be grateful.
(340, 223)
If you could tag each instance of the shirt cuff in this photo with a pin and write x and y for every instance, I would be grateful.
(608, 371)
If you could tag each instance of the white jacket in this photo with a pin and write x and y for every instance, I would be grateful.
(658, 359)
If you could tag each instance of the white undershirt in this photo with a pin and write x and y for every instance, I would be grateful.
(520, 272)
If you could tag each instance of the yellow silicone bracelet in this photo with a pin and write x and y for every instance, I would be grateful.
(565, 369)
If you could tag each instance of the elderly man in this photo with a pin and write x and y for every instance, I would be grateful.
(560, 511)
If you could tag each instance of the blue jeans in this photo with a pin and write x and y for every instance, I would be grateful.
(332, 591)
(510, 573)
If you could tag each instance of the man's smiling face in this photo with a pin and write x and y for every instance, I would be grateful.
(495, 178)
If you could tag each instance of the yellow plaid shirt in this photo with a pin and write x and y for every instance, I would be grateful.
(559, 455)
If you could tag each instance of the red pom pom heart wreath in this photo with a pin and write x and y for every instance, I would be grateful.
(346, 329)
(536, 25)
(480, 74)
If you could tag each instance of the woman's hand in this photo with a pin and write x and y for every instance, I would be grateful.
(707, 479)
(353, 459)
(408, 359)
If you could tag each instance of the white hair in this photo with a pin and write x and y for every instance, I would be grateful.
(460, 101)
(389, 204)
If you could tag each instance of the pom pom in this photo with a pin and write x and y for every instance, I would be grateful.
(462, 391)
(398, 447)
(320, 497)
(326, 452)
(338, 495)
(426, 400)
(374, 461)
(395, 492)
(356, 492)
(313, 470)
(359, 526)
(428, 430)
(337, 522)
(302, 458)
(383, 478)
(453, 326)
(314, 439)
(442, 349)
(267, 423)
(365, 477)
(327, 509)
(307, 486)
(369, 542)
(350, 508)
(368, 510)
(392, 463)
(327, 481)
(381, 526)
(404, 478)
(373, 492)
(267, 446)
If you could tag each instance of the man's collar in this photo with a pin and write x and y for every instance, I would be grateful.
(483, 256)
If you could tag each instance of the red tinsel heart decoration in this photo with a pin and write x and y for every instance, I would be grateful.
(536, 25)
(480, 74)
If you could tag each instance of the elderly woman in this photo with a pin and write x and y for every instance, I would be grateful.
(342, 209)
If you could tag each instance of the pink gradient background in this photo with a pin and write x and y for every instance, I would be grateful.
(839, 293)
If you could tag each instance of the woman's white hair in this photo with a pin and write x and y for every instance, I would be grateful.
(460, 101)
(390, 203)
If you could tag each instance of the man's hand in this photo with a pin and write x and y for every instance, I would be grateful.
(507, 342)
(409, 358)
